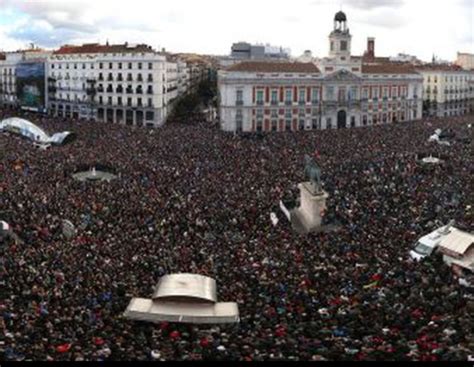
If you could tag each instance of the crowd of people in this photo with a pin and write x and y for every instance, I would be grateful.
(192, 199)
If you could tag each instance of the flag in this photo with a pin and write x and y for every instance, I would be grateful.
(64, 348)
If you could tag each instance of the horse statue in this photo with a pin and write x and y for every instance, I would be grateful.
(313, 171)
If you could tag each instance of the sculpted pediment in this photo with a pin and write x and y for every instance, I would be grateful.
(342, 75)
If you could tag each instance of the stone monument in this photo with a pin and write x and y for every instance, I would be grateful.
(308, 217)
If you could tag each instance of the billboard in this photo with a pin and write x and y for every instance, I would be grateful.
(31, 85)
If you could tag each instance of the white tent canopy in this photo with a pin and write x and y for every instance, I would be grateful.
(183, 298)
(31, 131)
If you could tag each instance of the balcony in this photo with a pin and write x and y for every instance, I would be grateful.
(91, 91)
(239, 103)
(110, 90)
(288, 103)
(100, 90)
(259, 103)
(52, 89)
(129, 91)
(302, 103)
(149, 91)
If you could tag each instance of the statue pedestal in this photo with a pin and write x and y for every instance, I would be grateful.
(313, 205)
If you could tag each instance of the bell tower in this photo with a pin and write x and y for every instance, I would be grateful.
(340, 39)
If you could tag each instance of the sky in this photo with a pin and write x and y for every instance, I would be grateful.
(416, 27)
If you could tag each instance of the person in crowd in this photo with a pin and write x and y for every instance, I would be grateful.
(190, 198)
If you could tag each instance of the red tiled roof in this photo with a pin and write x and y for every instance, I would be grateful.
(94, 48)
(274, 67)
(439, 67)
(388, 68)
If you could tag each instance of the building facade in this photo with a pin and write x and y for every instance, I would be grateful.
(116, 84)
(128, 84)
(340, 91)
(247, 51)
(9, 63)
(465, 60)
(447, 90)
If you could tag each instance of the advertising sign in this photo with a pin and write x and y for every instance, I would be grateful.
(30, 78)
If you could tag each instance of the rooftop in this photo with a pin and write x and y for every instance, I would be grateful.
(439, 67)
(388, 68)
(94, 48)
(274, 67)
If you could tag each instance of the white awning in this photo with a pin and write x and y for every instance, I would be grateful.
(31, 131)
(457, 242)
(196, 288)
(141, 309)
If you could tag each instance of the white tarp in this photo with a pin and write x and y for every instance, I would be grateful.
(141, 309)
(193, 286)
(183, 298)
(31, 131)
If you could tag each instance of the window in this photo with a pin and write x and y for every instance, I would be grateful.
(332, 45)
(140, 66)
(315, 96)
(353, 121)
(375, 93)
(288, 125)
(111, 65)
(274, 97)
(302, 96)
(101, 66)
(288, 114)
(274, 125)
(301, 124)
(120, 66)
(343, 45)
(260, 97)
(129, 66)
(119, 101)
(274, 114)
(353, 93)
(240, 98)
(329, 123)
(385, 93)
(150, 102)
(288, 96)
(150, 66)
(315, 123)
(365, 93)
(330, 93)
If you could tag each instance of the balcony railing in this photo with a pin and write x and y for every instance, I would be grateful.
(239, 103)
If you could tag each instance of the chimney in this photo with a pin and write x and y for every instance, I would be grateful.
(371, 48)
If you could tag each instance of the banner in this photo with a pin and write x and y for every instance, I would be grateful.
(30, 80)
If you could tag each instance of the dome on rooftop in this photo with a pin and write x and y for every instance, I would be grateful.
(340, 17)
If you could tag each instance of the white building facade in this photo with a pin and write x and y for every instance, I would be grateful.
(116, 84)
(340, 91)
(447, 90)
